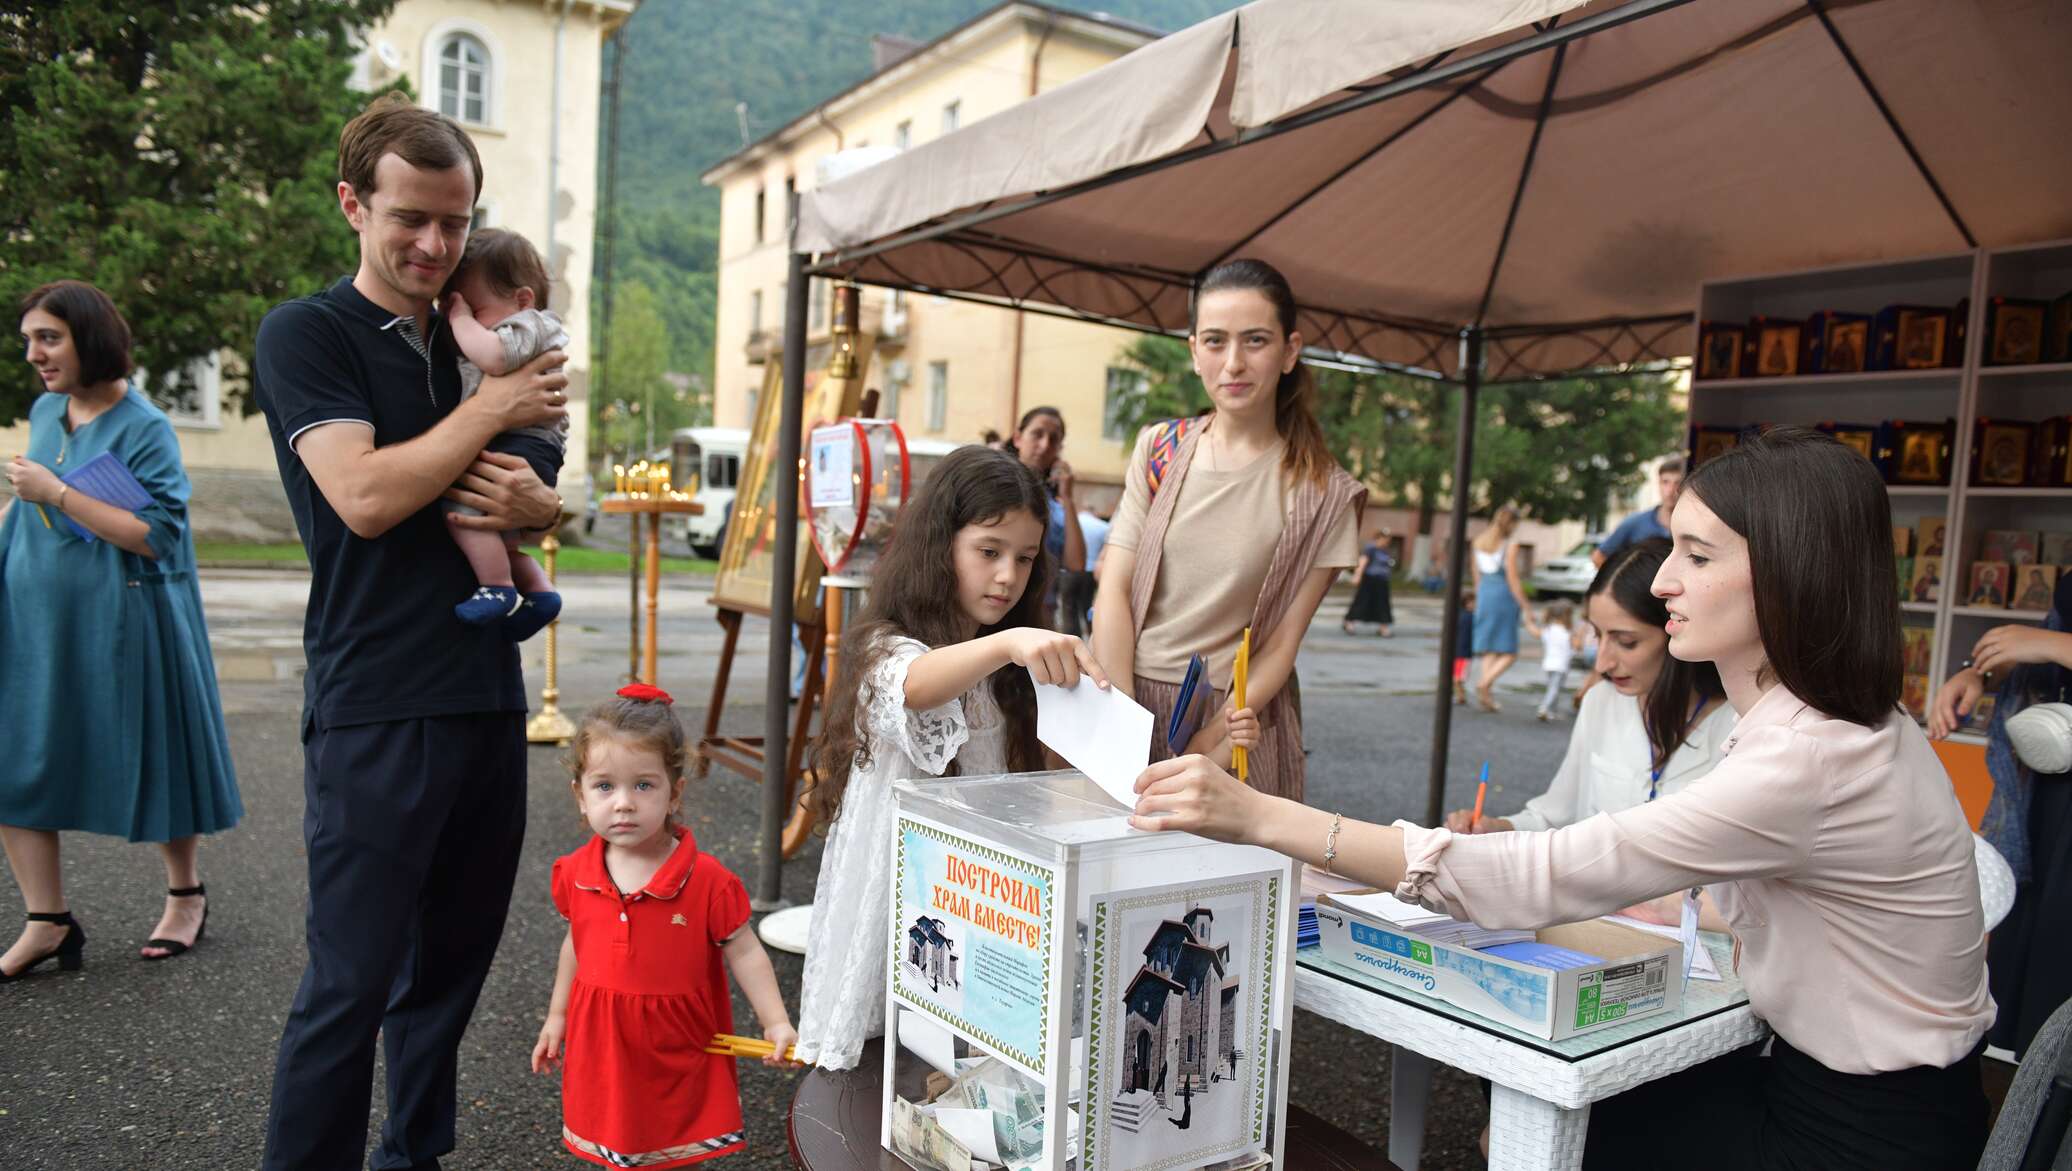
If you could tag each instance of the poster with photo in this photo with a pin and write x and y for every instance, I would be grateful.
(972, 940)
(1180, 1023)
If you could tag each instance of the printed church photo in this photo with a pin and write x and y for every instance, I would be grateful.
(1180, 1030)
(931, 954)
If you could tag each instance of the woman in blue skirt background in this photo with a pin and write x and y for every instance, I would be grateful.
(108, 705)
(1499, 602)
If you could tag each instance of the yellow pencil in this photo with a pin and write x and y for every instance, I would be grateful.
(45, 515)
(1237, 696)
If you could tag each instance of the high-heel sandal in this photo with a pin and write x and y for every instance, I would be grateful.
(70, 952)
(173, 947)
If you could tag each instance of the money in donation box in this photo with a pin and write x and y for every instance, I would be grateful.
(856, 479)
(1066, 991)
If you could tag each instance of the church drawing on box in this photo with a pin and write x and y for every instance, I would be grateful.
(931, 953)
(1180, 1032)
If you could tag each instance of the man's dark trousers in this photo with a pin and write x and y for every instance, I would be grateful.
(414, 829)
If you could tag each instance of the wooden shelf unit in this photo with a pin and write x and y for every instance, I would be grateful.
(1963, 393)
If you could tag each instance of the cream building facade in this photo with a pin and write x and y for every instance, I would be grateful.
(945, 369)
(524, 78)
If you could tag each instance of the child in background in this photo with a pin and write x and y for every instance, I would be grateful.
(654, 928)
(932, 683)
(497, 306)
(1556, 649)
(1463, 645)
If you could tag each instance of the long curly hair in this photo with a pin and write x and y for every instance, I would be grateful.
(914, 594)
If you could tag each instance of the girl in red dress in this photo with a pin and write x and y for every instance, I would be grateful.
(654, 927)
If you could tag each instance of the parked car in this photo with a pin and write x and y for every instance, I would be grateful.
(1569, 575)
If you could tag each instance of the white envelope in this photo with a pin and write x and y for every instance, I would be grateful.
(1102, 733)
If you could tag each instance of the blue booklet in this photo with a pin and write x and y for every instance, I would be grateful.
(1189, 707)
(108, 480)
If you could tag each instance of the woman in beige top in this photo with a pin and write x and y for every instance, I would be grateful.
(1250, 520)
(1828, 835)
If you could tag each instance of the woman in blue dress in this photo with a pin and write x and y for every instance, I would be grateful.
(108, 705)
(1499, 601)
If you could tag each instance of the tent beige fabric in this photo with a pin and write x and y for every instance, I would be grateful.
(1705, 139)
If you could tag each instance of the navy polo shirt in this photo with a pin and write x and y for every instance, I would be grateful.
(380, 635)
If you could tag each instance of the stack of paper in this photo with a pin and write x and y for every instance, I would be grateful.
(1436, 926)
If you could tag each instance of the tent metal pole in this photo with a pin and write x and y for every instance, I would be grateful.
(1906, 142)
(1456, 566)
(777, 687)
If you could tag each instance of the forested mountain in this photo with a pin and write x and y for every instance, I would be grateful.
(688, 63)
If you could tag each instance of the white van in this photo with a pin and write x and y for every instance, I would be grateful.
(706, 462)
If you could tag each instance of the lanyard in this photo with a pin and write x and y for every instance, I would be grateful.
(1687, 926)
(1655, 774)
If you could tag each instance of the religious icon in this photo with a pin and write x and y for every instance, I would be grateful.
(2016, 330)
(2003, 453)
(2037, 583)
(1921, 334)
(1927, 583)
(1719, 350)
(1713, 441)
(1931, 529)
(1847, 342)
(1778, 350)
(1923, 452)
(1988, 584)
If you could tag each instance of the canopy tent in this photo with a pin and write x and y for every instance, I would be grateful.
(1478, 190)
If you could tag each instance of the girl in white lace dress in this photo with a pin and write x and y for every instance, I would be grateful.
(929, 677)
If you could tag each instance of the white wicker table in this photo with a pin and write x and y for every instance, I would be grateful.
(1540, 1091)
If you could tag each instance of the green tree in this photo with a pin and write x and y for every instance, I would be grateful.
(1170, 388)
(179, 156)
(643, 396)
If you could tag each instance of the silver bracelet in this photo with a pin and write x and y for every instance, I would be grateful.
(1331, 841)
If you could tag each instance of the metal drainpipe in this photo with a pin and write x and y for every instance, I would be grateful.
(1021, 318)
(554, 135)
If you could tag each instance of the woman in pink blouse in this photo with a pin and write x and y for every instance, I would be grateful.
(1828, 835)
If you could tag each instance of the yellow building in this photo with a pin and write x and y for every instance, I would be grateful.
(523, 76)
(946, 369)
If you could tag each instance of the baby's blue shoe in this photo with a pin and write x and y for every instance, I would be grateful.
(533, 614)
(488, 604)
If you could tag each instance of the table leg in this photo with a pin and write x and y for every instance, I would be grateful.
(1526, 1132)
(1410, 1087)
(654, 589)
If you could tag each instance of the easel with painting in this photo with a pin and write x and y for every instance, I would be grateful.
(742, 585)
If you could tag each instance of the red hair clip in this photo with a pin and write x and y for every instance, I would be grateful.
(645, 693)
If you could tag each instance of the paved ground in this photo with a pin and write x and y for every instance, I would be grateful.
(138, 1066)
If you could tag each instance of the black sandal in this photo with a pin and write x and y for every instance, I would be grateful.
(173, 947)
(69, 952)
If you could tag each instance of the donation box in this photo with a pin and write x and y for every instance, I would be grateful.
(1067, 992)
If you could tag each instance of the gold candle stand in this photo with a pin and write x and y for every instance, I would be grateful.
(549, 725)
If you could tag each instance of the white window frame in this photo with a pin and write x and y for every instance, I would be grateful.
(903, 134)
(952, 115)
(431, 67)
(938, 395)
(207, 376)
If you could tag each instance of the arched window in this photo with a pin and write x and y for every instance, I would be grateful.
(464, 79)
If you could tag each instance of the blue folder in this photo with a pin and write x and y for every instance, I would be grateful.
(108, 480)
(1189, 708)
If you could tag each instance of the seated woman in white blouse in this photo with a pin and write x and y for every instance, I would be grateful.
(1657, 728)
(1828, 834)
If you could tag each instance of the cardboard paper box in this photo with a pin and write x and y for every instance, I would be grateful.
(1639, 975)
